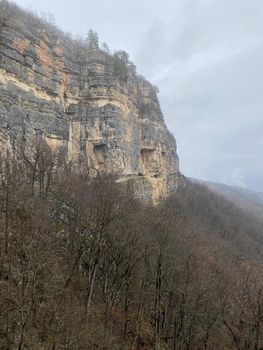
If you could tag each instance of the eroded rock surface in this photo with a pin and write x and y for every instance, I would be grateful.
(52, 88)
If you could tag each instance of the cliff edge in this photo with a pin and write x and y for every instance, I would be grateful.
(84, 103)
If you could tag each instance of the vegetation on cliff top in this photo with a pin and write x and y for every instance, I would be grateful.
(119, 59)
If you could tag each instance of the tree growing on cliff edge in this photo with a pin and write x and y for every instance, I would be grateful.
(105, 48)
(92, 40)
(121, 63)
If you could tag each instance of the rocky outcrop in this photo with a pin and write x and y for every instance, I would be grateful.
(72, 98)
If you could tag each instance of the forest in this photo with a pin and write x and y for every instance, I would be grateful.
(84, 265)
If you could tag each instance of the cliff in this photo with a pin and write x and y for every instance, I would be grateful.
(76, 100)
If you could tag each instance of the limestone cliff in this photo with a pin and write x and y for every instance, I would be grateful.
(53, 88)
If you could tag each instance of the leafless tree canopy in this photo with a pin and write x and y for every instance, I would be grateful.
(85, 266)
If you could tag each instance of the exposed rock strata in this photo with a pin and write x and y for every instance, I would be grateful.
(52, 89)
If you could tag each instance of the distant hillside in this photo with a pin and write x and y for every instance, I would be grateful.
(245, 199)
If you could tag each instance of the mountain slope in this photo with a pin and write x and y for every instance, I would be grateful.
(85, 266)
(249, 201)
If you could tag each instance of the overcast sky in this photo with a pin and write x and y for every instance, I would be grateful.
(206, 56)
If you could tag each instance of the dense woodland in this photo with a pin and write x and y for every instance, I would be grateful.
(83, 265)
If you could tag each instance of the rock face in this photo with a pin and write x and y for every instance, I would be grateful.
(52, 88)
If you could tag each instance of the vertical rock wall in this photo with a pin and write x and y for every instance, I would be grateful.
(75, 102)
